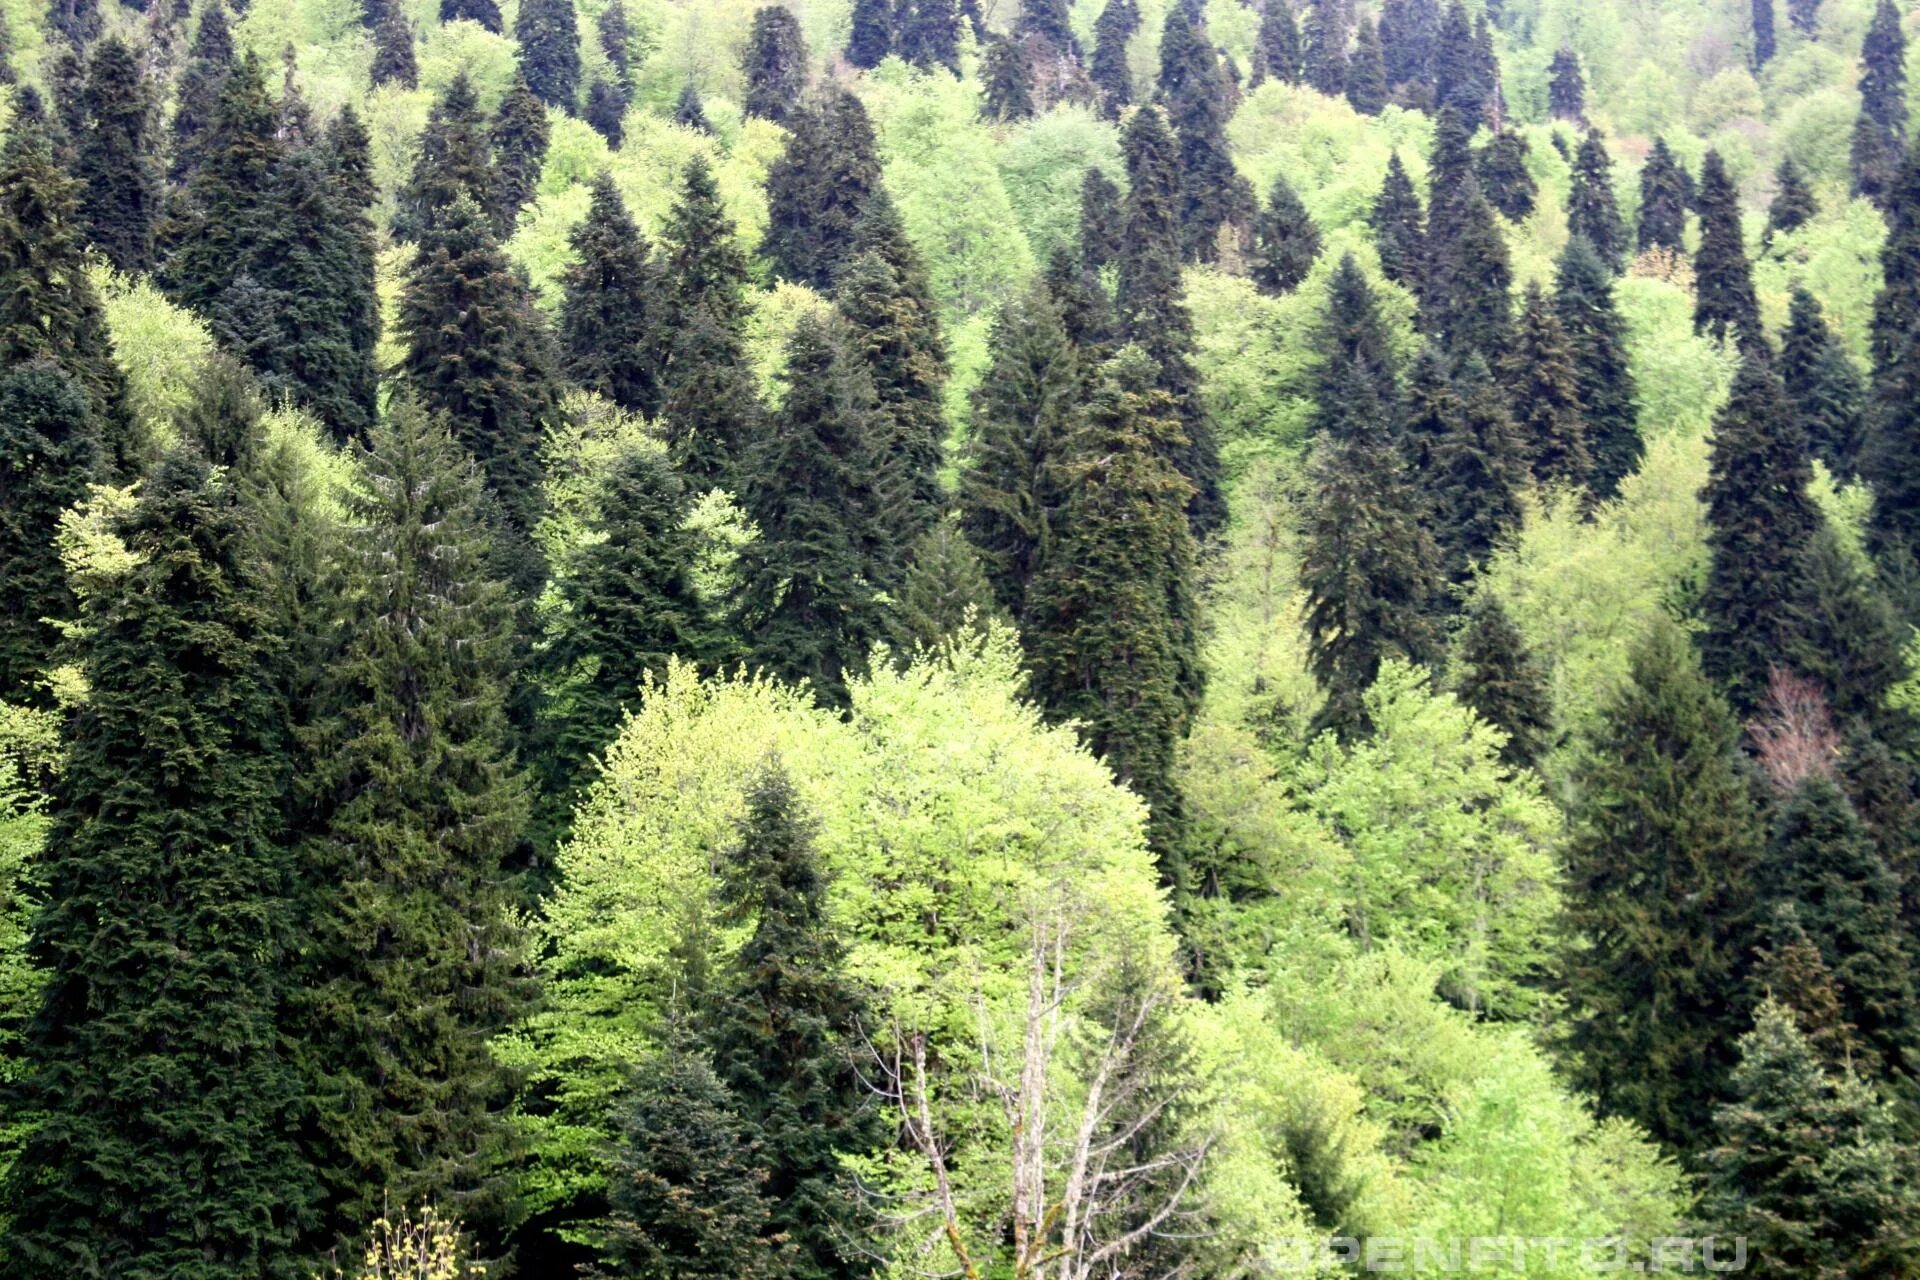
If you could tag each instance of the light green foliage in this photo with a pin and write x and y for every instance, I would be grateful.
(1729, 96)
(159, 346)
(1682, 377)
(1837, 256)
(453, 47)
(1041, 165)
(945, 805)
(771, 318)
(1334, 156)
(576, 459)
(1446, 855)
(29, 753)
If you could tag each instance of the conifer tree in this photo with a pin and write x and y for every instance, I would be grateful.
(484, 12)
(892, 322)
(477, 351)
(822, 488)
(610, 312)
(1824, 387)
(689, 112)
(153, 1058)
(394, 60)
(709, 391)
(1399, 227)
(1468, 303)
(1724, 302)
(1664, 197)
(1890, 458)
(222, 205)
(1049, 23)
(1821, 861)
(1477, 473)
(1112, 30)
(1366, 86)
(1880, 132)
(1759, 521)
(1583, 301)
(450, 161)
(1896, 308)
(1103, 220)
(1566, 87)
(114, 158)
(1793, 204)
(776, 64)
(1496, 676)
(307, 274)
(1592, 212)
(1502, 171)
(48, 307)
(416, 959)
(1111, 617)
(627, 604)
(1408, 29)
(1431, 412)
(1460, 73)
(196, 96)
(1009, 499)
(1212, 195)
(945, 591)
(1276, 47)
(930, 35)
(1658, 895)
(1790, 972)
(1449, 169)
(606, 111)
(50, 449)
(783, 1031)
(518, 141)
(1842, 631)
(1285, 241)
(1323, 47)
(1806, 1165)
(686, 1179)
(1539, 375)
(1763, 38)
(1008, 89)
(818, 188)
(1804, 15)
(615, 34)
(1350, 344)
(871, 38)
(1150, 300)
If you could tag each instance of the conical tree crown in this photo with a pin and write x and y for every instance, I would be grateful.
(776, 64)
(1604, 384)
(611, 311)
(1664, 196)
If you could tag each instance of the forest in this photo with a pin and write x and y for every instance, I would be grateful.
(998, 639)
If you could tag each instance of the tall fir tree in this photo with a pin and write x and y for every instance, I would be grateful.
(823, 489)
(1566, 87)
(612, 306)
(1760, 518)
(154, 1058)
(1468, 302)
(450, 161)
(1804, 1163)
(1843, 632)
(930, 35)
(1112, 31)
(1408, 29)
(416, 956)
(606, 111)
(1896, 308)
(1880, 132)
(50, 450)
(196, 96)
(1049, 23)
(945, 592)
(1276, 46)
(614, 30)
(1890, 459)
(1821, 860)
(776, 64)
(1499, 680)
(1150, 300)
(1764, 45)
(1584, 303)
(783, 1033)
(893, 324)
(871, 37)
(115, 158)
(1804, 15)
(1793, 204)
(1592, 212)
(1103, 220)
(1790, 972)
(394, 59)
(1539, 375)
(222, 206)
(1213, 197)
(627, 603)
(1460, 73)
(1664, 197)
(1449, 168)
(1725, 305)
(1399, 227)
(1285, 241)
(1351, 344)
(1323, 47)
(818, 188)
(1366, 88)
(1477, 473)
(484, 12)
(1007, 83)
(709, 391)
(1825, 388)
(477, 351)
(1504, 179)
(546, 35)
(1009, 495)
(1111, 615)
(1658, 895)
(518, 143)
(48, 307)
